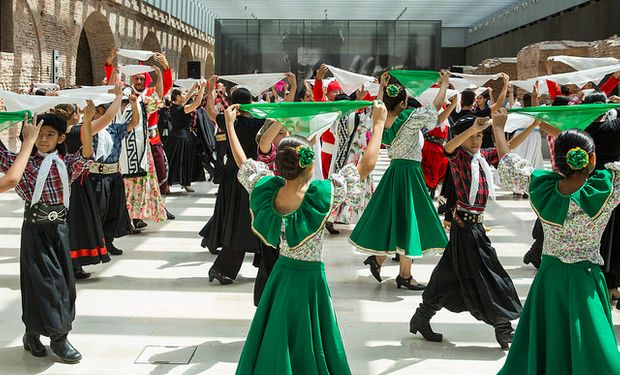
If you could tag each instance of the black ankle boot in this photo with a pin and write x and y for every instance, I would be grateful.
(420, 322)
(109, 245)
(64, 350)
(33, 344)
(504, 334)
(80, 274)
(223, 279)
(139, 224)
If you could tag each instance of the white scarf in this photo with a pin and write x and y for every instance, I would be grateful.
(350, 81)
(44, 172)
(478, 161)
(135, 54)
(255, 83)
(104, 145)
(582, 63)
(132, 70)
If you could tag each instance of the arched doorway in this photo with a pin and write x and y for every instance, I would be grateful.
(96, 40)
(151, 43)
(186, 55)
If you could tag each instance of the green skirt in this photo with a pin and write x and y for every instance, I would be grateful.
(294, 330)
(400, 217)
(565, 326)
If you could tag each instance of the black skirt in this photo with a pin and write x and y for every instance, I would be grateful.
(183, 158)
(112, 204)
(86, 239)
(610, 250)
(46, 279)
(470, 278)
(230, 224)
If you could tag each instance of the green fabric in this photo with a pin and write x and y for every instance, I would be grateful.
(566, 325)
(390, 134)
(415, 81)
(301, 224)
(566, 117)
(8, 119)
(552, 206)
(294, 330)
(304, 118)
(400, 216)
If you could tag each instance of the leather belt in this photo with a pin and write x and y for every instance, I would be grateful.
(104, 168)
(462, 217)
(40, 213)
(436, 140)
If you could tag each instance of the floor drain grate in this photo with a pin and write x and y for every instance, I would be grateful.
(169, 355)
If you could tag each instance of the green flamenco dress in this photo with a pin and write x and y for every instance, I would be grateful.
(400, 217)
(294, 330)
(566, 326)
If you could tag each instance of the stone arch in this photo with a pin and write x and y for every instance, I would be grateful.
(186, 55)
(96, 40)
(151, 43)
(209, 65)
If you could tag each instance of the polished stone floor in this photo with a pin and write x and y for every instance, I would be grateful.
(155, 304)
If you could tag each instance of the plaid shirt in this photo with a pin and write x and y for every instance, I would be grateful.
(269, 159)
(460, 167)
(52, 190)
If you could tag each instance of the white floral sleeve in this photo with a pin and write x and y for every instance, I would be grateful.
(423, 118)
(251, 172)
(515, 172)
(615, 167)
(347, 186)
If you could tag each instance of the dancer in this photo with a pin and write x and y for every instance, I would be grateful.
(289, 212)
(14, 173)
(86, 238)
(46, 274)
(400, 217)
(180, 147)
(566, 325)
(469, 276)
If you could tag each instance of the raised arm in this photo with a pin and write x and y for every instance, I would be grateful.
(443, 116)
(479, 125)
(188, 108)
(86, 130)
(549, 129)
(105, 120)
(520, 138)
(267, 138)
(292, 90)
(499, 123)
(385, 78)
(159, 85)
(369, 160)
(135, 120)
(160, 58)
(535, 102)
(318, 94)
(440, 98)
(211, 111)
(230, 115)
(502, 94)
(30, 132)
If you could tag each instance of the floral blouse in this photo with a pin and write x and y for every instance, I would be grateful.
(406, 144)
(579, 239)
(346, 185)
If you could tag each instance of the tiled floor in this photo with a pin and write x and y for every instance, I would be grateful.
(157, 294)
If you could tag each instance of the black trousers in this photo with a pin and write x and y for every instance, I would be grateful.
(229, 262)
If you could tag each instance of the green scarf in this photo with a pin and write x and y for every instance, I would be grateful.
(392, 132)
(566, 117)
(552, 206)
(304, 118)
(301, 224)
(8, 119)
(415, 81)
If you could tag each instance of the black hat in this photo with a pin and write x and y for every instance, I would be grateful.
(463, 124)
(55, 121)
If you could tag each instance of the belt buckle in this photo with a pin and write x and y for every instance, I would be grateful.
(100, 168)
(52, 216)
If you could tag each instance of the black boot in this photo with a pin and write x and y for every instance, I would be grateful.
(504, 334)
(34, 345)
(80, 274)
(223, 279)
(420, 322)
(109, 245)
(169, 216)
(139, 224)
(64, 350)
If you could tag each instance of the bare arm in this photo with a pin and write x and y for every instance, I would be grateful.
(443, 88)
(499, 123)
(159, 85)
(230, 115)
(135, 119)
(369, 160)
(267, 138)
(443, 116)
(292, 81)
(385, 78)
(211, 111)
(30, 131)
(479, 125)
(105, 120)
(535, 95)
(502, 95)
(87, 132)
(549, 129)
(520, 138)
(197, 100)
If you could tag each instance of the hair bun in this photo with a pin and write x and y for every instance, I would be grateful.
(577, 158)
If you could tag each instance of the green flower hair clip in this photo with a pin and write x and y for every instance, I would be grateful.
(392, 90)
(577, 158)
(306, 155)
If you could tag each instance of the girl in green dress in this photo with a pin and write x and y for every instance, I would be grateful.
(565, 326)
(294, 330)
(400, 217)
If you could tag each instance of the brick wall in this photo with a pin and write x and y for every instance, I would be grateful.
(41, 26)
